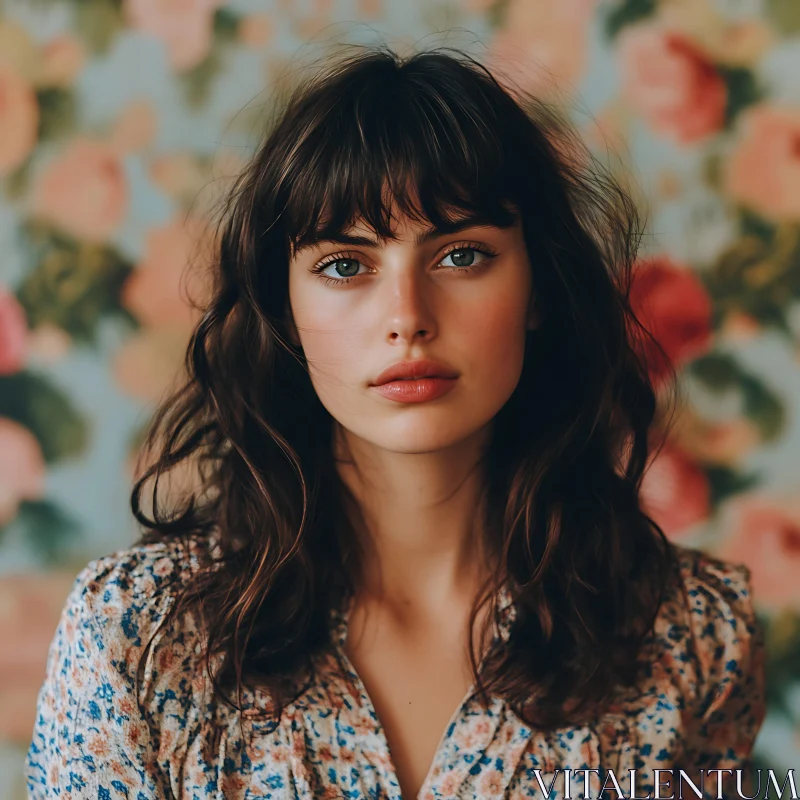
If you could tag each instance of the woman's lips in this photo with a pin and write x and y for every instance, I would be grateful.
(415, 391)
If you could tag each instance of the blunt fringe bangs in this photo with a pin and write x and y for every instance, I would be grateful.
(435, 136)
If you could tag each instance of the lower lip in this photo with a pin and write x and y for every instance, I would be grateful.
(416, 391)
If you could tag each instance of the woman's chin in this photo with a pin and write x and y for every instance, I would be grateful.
(420, 435)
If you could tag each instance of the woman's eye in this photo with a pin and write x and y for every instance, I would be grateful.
(344, 267)
(464, 256)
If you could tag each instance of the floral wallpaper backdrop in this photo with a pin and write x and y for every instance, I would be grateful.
(120, 122)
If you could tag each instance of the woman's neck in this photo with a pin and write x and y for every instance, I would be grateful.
(419, 521)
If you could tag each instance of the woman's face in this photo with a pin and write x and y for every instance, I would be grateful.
(360, 308)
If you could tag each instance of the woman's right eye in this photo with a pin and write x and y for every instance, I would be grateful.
(346, 269)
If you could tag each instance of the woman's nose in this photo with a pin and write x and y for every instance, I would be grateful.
(409, 306)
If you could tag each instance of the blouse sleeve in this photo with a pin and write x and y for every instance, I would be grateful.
(729, 644)
(89, 739)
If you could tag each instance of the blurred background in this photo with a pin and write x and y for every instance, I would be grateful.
(122, 121)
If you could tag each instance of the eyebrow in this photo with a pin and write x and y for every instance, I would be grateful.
(472, 221)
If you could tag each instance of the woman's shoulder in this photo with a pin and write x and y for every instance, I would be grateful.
(712, 592)
(124, 722)
(709, 635)
(121, 600)
(700, 701)
(133, 586)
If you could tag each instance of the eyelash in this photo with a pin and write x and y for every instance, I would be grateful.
(347, 257)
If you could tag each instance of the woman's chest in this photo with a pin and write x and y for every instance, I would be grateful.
(415, 691)
(330, 745)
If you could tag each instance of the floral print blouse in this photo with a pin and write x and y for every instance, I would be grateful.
(700, 707)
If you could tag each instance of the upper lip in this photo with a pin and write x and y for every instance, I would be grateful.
(426, 368)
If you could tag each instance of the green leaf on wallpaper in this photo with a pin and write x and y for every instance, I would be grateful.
(57, 112)
(31, 400)
(716, 371)
(225, 25)
(753, 224)
(71, 284)
(743, 90)
(763, 408)
(785, 14)
(725, 279)
(721, 372)
(757, 274)
(794, 285)
(724, 482)
(98, 22)
(59, 426)
(627, 12)
(782, 645)
(15, 185)
(197, 81)
(711, 170)
(783, 634)
(769, 312)
(496, 13)
(765, 310)
(48, 529)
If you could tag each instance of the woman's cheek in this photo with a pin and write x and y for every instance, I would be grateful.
(496, 334)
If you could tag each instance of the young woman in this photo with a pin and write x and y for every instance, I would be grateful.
(415, 563)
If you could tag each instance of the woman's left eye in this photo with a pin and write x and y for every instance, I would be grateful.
(464, 258)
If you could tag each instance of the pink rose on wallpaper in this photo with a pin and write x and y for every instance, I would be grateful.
(30, 607)
(19, 119)
(84, 190)
(171, 273)
(671, 83)
(22, 468)
(763, 171)
(176, 173)
(13, 333)
(148, 363)
(135, 128)
(184, 26)
(672, 303)
(675, 492)
(543, 42)
(63, 59)
(256, 30)
(48, 343)
(763, 532)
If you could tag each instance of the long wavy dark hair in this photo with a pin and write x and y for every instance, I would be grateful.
(588, 569)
